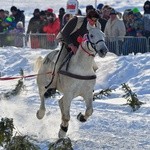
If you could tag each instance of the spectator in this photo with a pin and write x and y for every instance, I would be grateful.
(52, 28)
(146, 18)
(106, 12)
(99, 8)
(33, 28)
(8, 26)
(43, 22)
(60, 15)
(138, 20)
(134, 22)
(18, 15)
(2, 26)
(114, 28)
(2, 18)
(18, 35)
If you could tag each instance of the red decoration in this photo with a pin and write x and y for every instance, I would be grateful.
(80, 39)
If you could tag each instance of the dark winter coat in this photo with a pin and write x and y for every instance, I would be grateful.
(34, 25)
(103, 23)
(71, 32)
(20, 17)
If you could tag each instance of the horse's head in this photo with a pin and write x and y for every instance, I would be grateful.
(96, 41)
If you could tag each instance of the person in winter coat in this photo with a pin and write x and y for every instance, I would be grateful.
(60, 15)
(9, 25)
(33, 28)
(18, 34)
(146, 18)
(2, 27)
(52, 28)
(17, 14)
(113, 29)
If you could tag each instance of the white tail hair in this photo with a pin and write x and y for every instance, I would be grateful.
(38, 63)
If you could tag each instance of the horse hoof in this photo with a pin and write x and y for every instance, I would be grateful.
(40, 114)
(81, 118)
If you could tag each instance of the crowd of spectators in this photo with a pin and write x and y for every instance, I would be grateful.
(114, 24)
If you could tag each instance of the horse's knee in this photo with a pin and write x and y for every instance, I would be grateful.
(65, 118)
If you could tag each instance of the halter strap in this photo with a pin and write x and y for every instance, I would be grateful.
(86, 51)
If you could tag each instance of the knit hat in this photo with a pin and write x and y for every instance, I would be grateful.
(147, 3)
(50, 10)
(135, 10)
(42, 13)
(100, 6)
(37, 10)
(19, 24)
(62, 10)
(13, 8)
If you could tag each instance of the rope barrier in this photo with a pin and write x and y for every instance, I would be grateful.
(18, 77)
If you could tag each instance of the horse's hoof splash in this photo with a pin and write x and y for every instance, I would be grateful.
(40, 114)
(81, 118)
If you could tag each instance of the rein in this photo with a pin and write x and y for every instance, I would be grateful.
(86, 51)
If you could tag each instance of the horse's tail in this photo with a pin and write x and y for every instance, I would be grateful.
(38, 63)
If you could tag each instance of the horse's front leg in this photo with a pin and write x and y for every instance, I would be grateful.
(41, 112)
(89, 108)
(64, 104)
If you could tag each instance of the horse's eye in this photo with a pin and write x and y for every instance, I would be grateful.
(91, 36)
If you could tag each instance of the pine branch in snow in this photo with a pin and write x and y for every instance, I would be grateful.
(100, 94)
(132, 99)
(18, 87)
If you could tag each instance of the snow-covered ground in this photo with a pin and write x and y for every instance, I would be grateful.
(113, 126)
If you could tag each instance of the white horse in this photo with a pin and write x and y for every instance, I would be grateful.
(77, 80)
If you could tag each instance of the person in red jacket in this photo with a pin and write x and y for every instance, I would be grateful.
(52, 28)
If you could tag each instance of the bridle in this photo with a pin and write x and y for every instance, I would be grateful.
(92, 44)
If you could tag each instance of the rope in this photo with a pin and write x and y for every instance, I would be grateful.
(28, 76)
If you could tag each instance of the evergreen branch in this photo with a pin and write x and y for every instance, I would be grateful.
(102, 93)
(132, 99)
(18, 87)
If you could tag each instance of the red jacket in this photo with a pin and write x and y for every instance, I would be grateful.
(53, 29)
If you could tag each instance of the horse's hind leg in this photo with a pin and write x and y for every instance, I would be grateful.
(89, 108)
(41, 112)
(64, 104)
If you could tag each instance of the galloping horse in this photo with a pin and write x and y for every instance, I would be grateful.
(77, 80)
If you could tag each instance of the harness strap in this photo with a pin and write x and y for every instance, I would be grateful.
(53, 73)
(77, 76)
